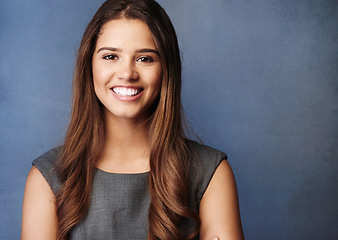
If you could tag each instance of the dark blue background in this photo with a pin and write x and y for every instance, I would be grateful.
(260, 83)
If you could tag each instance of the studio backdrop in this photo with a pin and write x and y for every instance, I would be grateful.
(260, 82)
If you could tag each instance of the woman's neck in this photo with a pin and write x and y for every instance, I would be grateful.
(126, 147)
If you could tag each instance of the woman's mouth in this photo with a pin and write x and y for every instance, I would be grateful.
(126, 91)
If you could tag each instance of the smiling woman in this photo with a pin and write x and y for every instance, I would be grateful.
(126, 169)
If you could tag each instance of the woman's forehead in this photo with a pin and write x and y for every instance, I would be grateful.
(126, 32)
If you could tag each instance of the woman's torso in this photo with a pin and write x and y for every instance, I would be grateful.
(119, 203)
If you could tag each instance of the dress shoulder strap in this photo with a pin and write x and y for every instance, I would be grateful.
(46, 165)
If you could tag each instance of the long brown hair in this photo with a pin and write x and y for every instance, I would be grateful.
(169, 165)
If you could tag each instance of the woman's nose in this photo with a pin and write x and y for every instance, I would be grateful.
(127, 71)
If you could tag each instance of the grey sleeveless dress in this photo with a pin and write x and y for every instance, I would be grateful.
(120, 202)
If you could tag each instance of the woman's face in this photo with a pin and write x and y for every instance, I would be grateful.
(127, 69)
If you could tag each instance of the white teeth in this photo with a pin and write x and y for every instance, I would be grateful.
(126, 91)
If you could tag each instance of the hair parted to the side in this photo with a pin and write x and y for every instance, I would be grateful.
(169, 164)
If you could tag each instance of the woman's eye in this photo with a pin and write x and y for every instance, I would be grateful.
(145, 59)
(110, 57)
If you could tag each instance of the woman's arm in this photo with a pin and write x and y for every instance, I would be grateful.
(219, 210)
(39, 220)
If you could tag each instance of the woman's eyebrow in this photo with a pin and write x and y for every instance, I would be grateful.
(145, 50)
(109, 49)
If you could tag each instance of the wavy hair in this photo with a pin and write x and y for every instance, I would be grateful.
(169, 164)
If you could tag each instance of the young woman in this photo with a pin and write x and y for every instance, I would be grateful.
(126, 169)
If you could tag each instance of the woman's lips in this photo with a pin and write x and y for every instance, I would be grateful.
(127, 94)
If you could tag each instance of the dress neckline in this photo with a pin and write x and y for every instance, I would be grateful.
(122, 174)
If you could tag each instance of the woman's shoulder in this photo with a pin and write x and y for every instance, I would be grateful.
(46, 166)
(49, 157)
(205, 153)
(204, 162)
